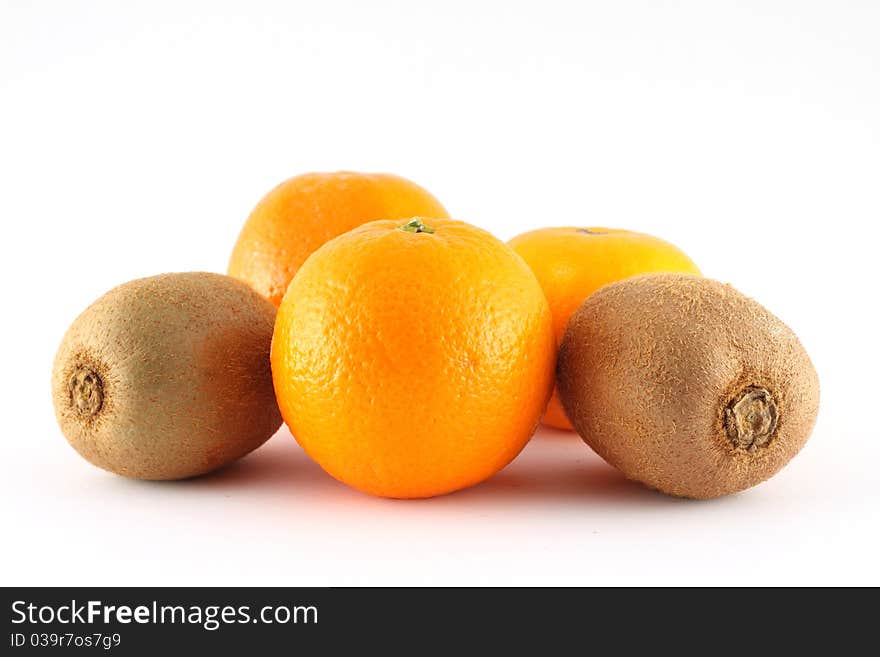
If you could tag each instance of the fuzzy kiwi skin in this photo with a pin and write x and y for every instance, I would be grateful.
(650, 373)
(168, 377)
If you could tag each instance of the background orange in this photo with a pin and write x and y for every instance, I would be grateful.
(572, 263)
(302, 213)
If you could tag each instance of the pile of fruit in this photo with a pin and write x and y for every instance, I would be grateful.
(413, 355)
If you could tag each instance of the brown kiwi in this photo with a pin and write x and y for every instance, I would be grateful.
(686, 385)
(168, 377)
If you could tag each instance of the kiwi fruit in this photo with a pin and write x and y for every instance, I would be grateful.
(168, 377)
(686, 385)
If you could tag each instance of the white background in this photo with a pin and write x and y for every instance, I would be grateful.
(136, 137)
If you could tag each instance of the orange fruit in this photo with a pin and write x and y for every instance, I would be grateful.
(302, 213)
(412, 359)
(572, 263)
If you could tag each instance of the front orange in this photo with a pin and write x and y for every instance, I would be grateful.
(413, 359)
(305, 211)
(572, 263)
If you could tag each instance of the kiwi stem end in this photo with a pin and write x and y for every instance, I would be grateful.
(86, 391)
(750, 418)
